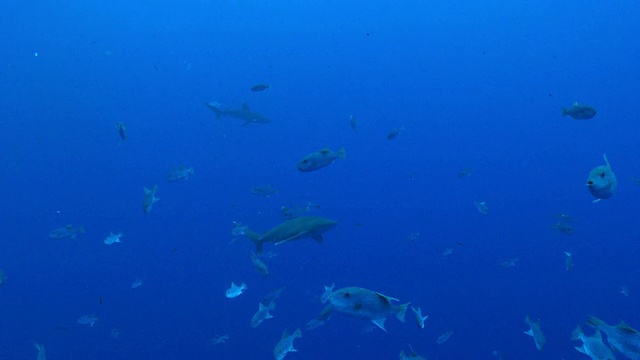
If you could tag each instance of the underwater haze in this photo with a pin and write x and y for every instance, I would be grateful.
(463, 188)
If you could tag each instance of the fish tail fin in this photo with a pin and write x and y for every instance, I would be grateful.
(401, 311)
(39, 347)
(341, 153)
(564, 111)
(255, 238)
(595, 322)
(575, 335)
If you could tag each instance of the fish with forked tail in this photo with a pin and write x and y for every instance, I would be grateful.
(297, 228)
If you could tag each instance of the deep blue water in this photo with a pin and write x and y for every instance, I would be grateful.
(477, 85)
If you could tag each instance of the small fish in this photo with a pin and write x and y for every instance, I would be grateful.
(328, 290)
(66, 232)
(419, 318)
(137, 283)
(260, 87)
(592, 346)
(482, 207)
(313, 323)
(262, 314)
(122, 130)
(149, 199)
(465, 172)
(3, 277)
(510, 262)
(602, 182)
(234, 291)
(218, 339)
(88, 320)
(568, 261)
(285, 345)
(447, 251)
(259, 265)
(624, 290)
(444, 337)
(264, 190)
(394, 133)
(180, 173)
(319, 159)
(364, 304)
(563, 227)
(536, 332)
(579, 112)
(272, 296)
(42, 354)
(621, 337)
(354, 123)
(112, 238)
(412, 355)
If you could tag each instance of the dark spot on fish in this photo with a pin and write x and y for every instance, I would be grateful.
(603, 174)
(100, 301)
(357, 306)
(590, 182)
(347, 295)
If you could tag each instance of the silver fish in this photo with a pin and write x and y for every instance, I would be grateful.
(285, 345)
(234, 291)
(319, 159)
(149, 199)
(536, 332)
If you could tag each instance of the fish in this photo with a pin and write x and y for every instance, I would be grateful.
(568, 261)
(510, 262)
(328, 290)
(260, 87)
(234, 291)
(180, 173)
(419, 318)
(259, 265)
(354, 123)
(465, 172)
(264, 190)
(66, 232)
(272, 296)
(592, 346)
(444, 337)
(412, 355)
(297, 228)
(621, 337)
(137, 283)
(313, 323)
(122, 130)
(218, 339)
(563, 227)
(624, 290)
(112, 238)
(149, 199)
(262, 314)
(365, 304)
(319, 159)
(602, 182)
(42, 354)
(244, 113)
(394, 133)
(536, 332)
(3, 277)
(88, 320)
(285, 345)
(579, 112)
(290, 212)
(482, 207)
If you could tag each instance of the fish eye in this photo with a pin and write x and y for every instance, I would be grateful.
(603, 174)
(347, 294)
(590, 182)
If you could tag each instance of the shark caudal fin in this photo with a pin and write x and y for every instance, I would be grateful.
(256, 238)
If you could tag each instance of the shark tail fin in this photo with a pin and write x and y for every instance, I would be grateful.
(401, 311)
(255, 238)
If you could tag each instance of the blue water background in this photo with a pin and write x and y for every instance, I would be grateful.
(475, 85)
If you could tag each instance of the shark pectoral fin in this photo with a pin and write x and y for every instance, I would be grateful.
(296, 235)
(318, 238)
(529, 332)
(380, 323)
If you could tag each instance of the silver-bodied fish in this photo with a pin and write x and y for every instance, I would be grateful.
(42, 354)
(149, 199)
(180, 173)
(234, 290)
(592, 346)
(536, 332)
(122, 130)
(579, 112)
(419, 318)
(264, 190)
(319, 159)
(602, 182)
(621, 337)
(285, 345)
(262, 314)
(66, 232)
(260, 266)
(244, 113)
(364, 304)
(88, 320)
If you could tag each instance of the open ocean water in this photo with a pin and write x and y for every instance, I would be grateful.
(476, 90)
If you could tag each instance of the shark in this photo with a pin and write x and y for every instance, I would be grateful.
(244, 113)
(297, 228)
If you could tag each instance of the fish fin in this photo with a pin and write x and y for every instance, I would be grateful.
(401, 311)
(575, 335)
(256, 238)
(529, 332)
(606, 161)
(318, 238)
(341, 153)
(386, 298)
(289, 238)
(297, 334)
(564, 111)
(40, 347)
(380, 323)
(581, 349)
